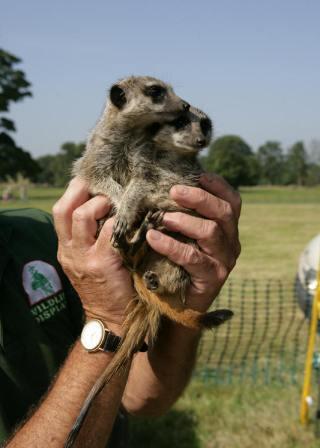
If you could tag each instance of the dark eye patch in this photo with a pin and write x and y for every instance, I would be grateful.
(156, 92)
(181, 122)
(205, 125)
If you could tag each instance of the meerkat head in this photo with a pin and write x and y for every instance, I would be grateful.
(142, 100)
(190, 132)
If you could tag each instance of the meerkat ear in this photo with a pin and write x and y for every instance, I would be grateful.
(117, 96)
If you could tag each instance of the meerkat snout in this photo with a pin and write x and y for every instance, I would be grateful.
(200, 142)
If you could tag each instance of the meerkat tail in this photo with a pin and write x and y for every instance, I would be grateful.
(136, 327)
(187, 317)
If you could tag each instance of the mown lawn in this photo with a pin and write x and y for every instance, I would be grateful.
(275, 225)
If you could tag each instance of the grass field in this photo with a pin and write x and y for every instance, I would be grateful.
(275, 225)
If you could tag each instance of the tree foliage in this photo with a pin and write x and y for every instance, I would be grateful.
(271, 161)
(232, 158)
(13, 87)
(56, 169)
(14, 160)
(13, 84)
(297, 165)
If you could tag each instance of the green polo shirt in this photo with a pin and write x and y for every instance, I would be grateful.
(40, 313)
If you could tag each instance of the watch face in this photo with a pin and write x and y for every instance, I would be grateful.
(92, 335)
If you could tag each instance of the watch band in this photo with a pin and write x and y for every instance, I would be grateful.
(112, 343)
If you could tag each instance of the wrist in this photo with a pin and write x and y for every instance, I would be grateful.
(113, 325)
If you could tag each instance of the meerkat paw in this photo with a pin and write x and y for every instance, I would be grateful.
(119, 232)
(139, 238)
(151, 280)
(156, 218)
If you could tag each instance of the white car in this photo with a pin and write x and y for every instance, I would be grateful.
(306, 280)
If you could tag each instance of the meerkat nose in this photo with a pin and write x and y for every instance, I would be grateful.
(200, 142)
(185, 105)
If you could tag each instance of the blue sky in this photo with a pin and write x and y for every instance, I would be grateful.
(254, 66)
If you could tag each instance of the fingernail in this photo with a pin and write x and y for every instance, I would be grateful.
(180, 189)
(154, 234)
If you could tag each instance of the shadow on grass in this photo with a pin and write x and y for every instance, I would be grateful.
(175, 430)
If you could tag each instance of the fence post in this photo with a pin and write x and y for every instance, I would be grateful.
(315, 315)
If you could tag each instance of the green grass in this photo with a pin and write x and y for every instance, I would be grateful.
(207, 416)
(280, 195)
(275, 225)
(42, 198)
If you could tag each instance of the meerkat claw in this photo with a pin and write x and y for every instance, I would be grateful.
(156, 218)
(120, 229)
(139, 238)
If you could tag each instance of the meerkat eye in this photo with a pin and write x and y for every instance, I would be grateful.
(118, 96)
(181, 122)
(205, 125)
(156, 92)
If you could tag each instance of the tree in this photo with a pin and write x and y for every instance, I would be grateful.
(271, 161)
(314, 151)
(14, 160)
(296, 165)
(313, 174)
(56, 169)
(232, 158)
(13, 87)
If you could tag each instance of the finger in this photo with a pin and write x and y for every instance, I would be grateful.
(218, 186)
(208, 206)
(186, 255)
(207, 232)
(104, 247)
(75, 195)
(105, 234)
(84, 221)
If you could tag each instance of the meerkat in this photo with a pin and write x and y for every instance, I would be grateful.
(134, 103)
(160, 284)
(112, 154)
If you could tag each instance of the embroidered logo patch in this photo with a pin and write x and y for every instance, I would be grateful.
(40, 281)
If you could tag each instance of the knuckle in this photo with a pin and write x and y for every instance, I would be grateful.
(222, 272)
(202, 196)
(174, 249)
(57, 210)
(210, 229)
(220, 269)
(64, 262)
(227, 213)
(78, 215)
(192, 255)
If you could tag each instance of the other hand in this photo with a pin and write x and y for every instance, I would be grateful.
(91, 264)
(216, 233)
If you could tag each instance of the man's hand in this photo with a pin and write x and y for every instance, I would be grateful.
(92, 266)
(216, 234)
